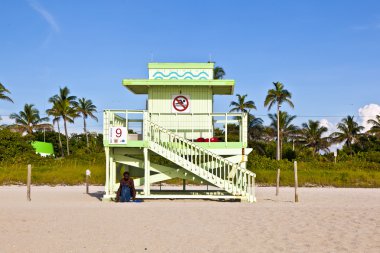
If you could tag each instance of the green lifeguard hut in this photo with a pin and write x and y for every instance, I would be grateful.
(178, 136)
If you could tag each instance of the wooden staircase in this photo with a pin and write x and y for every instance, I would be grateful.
(203, 163)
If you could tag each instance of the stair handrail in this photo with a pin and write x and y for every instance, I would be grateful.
(201, 148)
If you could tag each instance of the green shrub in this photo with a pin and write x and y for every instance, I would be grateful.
(15, 148)
(351, 173)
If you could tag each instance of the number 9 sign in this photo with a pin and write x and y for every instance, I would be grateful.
(118, 135)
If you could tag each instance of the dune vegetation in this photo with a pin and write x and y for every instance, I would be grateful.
(276, 145)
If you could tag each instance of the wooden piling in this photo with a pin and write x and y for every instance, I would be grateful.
(278, 182)
(295, 182)
(88, 174)
(87, 179)
(28, 182)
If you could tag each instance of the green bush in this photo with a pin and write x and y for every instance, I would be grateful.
(359, 170)
(15, 148)
(351, 173)
(52, 171)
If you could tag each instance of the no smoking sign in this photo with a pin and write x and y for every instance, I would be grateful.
(180, 104)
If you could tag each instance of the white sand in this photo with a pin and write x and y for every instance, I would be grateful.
(64, 219)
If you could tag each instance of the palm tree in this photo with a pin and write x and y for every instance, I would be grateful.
(29, 120)
(287, 129)
(278, 96)
(65, 105)
(241, 105)
(375, 125)
(87, 109)
(255, 127)
(311, 135)
(349, 131)
(4, 90)
(269, 134)
(219, 73)
(54, 111)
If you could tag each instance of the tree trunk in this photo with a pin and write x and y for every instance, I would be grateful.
(278, 132)
(281, 140)
(278, 149)
(85, 131)
(67, 137)
(59, 139)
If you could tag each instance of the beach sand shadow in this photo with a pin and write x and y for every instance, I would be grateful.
(276, 200)
(98, 195)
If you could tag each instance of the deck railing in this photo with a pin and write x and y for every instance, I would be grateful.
(188, 125)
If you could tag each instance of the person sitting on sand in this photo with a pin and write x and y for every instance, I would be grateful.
(126, 189)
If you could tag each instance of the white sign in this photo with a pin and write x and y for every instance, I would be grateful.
(88, 172)
(181, 104)
(118, 135)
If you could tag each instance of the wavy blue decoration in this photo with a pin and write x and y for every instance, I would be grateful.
(160, 75)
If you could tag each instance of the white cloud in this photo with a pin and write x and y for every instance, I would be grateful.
(368, 112)
(330, 126)
(331, 129)
(5, 120)
(45, 14)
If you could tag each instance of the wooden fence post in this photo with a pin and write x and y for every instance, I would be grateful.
(28, 182)
(295, 182)
(278, 182)
(88, 174)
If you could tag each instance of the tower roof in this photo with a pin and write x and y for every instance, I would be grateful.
(141, 86)
(180, 74)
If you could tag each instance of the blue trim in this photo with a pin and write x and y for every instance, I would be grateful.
(178, 75)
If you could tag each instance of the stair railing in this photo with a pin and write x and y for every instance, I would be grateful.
(200, 161)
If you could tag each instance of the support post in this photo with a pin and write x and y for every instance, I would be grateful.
(295, 182)
(88, 174)
(111, 177)
(184, 184)
(146, 172)
(225, 131)
(107, 151)
(29, 181)
(278, 182)
(86, 184)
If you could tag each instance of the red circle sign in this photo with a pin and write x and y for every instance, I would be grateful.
(180, 103)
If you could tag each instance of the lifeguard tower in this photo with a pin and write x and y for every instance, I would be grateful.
(175, 137)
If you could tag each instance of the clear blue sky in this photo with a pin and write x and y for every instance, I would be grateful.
(327, 53)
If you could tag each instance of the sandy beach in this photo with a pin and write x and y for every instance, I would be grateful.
(65, 219)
